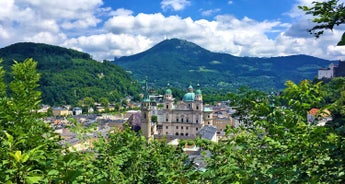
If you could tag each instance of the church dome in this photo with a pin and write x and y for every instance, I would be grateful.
(190, 88)
(189, 97)
(168, 92)
(198, 92)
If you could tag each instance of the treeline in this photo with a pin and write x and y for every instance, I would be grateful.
(68, 76)
(275, 144)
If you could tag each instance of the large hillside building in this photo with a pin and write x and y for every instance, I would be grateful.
(332, 71)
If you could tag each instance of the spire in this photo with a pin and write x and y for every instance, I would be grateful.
(146, 93)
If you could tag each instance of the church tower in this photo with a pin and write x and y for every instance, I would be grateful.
(147, 127)
(168, 99)
(198, 100)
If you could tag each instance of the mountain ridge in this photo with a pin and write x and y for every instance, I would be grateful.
(181, 62)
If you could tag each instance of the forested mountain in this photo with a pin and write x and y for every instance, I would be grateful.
(181, 62)
(68, 75)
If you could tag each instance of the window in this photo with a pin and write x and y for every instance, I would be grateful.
(166, 127)
(208, 116)
(176, 127)
(167, 119)
(181, 134)
(176, 119)
(182, 120)
(181, 127)
(186, 128)
(197, 121)
(166, 133)
(187, 120)
(197, 129)
(197, 107)
(186, 134)
(208, 122)
(176, 133)
(167, 106)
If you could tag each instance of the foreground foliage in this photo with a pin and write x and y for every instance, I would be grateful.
(327, 15)
(279, 146)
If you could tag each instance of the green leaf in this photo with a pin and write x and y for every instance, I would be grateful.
(17, 156)
(34, 179)
(342, 41)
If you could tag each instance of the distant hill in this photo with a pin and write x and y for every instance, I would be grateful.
(68, 75)
(180, 62)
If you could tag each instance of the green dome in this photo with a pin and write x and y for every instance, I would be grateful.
(198, 92)
(146, 100)
(168, 92)
(189, 97)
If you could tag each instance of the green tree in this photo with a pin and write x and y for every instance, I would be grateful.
(88, 102)
(104, 102)
(27, 143)
(281, 147)
(327, 15)
(126, 157)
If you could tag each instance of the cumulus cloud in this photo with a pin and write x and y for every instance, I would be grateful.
(175, 5)
(45, 21)
(106, 46)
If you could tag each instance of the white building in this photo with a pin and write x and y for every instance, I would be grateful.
(326, 73)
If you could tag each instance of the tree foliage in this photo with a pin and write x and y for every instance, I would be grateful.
(281, 147)
(327, 15)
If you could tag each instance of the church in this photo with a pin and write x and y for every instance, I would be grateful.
(182, 120)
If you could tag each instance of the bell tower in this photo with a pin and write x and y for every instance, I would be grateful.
(147, 127)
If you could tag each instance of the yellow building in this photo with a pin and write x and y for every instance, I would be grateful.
(60, 111)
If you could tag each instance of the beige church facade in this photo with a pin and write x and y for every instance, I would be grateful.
(183, 119)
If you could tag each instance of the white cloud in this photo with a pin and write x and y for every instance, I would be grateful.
(77, 24)
(106, 46)
(210, 12)
(175, 5)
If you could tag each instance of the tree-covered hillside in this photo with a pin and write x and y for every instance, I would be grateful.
(68, 75)
(181, 62)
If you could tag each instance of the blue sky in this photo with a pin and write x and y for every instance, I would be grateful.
(256, 9)
(109, 28)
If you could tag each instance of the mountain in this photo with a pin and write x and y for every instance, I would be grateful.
(180, 63)
(68, 75)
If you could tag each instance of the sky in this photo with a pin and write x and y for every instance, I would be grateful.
(114, 28)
